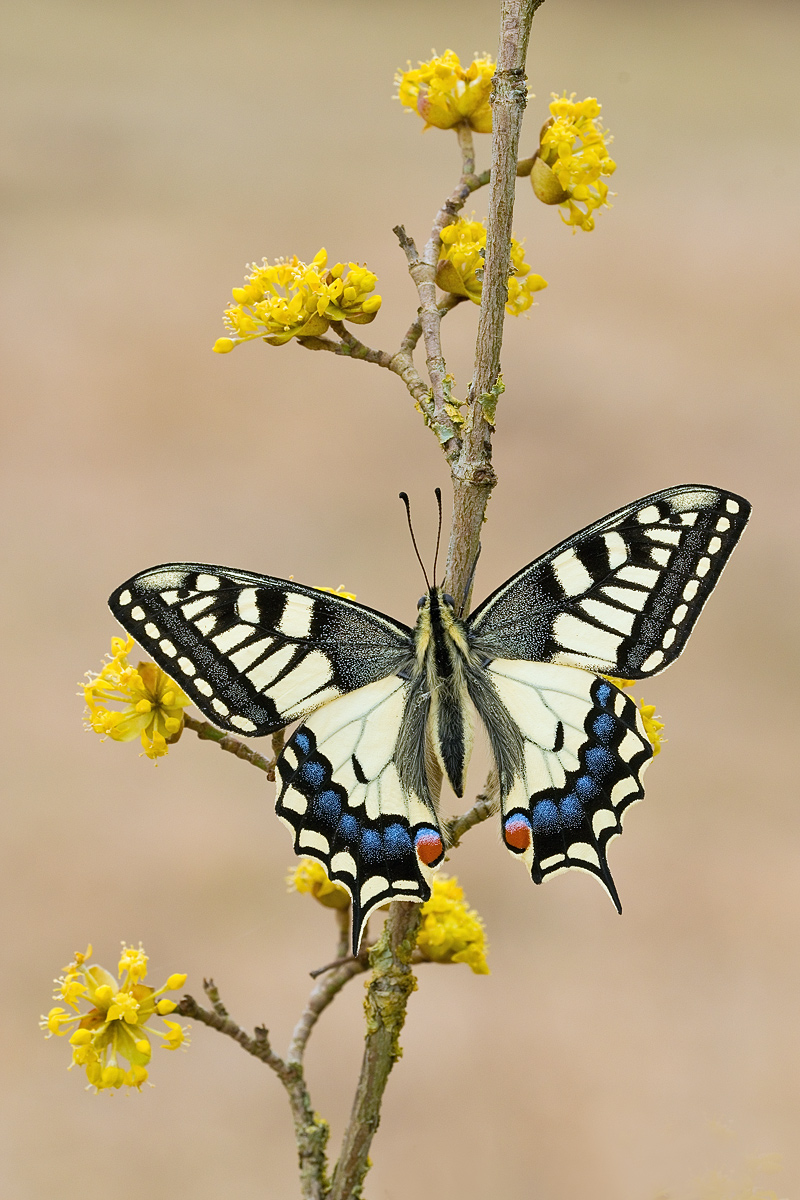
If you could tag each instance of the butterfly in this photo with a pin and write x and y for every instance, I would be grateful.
(387, 711)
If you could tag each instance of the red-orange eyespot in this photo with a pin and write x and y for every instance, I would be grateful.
(517, 833)
(429, 846)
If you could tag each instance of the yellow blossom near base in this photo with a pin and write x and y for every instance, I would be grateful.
(444, 93)
(450, 931)
(571, 160)
(111, 1025)
(337, 591)
(152, 704)
(461, 262)
(290, 298)
(652, 726)
(310, 877)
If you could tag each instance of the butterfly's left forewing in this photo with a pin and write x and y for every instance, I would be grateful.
(341, 796)
(583, 756)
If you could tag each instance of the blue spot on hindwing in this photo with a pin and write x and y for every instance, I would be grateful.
(371, 846)
(328, 806)
(603, 693)
(348, 828)
(603, 727)
(600, 761)
(397, 841)
(545, 817)
(586, 787)
(571, 811)
(313, 773)
(301, 741)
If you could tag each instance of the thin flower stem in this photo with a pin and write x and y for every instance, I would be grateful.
(321, 996)
(484, 807)
(209, 733)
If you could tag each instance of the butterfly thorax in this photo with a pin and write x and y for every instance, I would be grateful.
(439, 689)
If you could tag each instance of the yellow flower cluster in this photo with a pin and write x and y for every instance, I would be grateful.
(652, 726)
(450, 931)
(571, 160)
(444, 93)
(152, 704)
(113, 1025)
(290, 298)
(310, 877)
(461, 263)
(337, 591)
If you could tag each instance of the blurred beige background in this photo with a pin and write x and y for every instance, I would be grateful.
(151, 149)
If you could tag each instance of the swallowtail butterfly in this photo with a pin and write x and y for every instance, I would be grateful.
(386, 710)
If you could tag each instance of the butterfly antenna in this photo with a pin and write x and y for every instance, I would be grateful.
(404, 498)
(438, 495)
(470, 582)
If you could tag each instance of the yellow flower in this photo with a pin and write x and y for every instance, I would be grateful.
(461, 263)
(652, 726)
(450, 931)
(444, 93)
(290, 298)
(571, 160)
(112, 1027)
(310, 876)
(153, 703)
(338, 591)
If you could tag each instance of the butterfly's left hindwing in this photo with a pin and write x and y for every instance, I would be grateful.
(340, 794)
(584, 753)
(256, 653)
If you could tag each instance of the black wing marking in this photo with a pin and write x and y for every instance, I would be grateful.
(585, 751)
(621, 596)
(340, 794)
(255, 653)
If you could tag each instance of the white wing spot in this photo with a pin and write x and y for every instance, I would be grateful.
(373, 887)
(408, 885)
(244, 724)
(313, 840)
(248, 654)
(138, 614)
(206, 624)
(616, 549)
(688, 518)
(231, 637)
(207, 583)
(195, 607)
(622, 790)
(630, 597)
(641, 575)
(648, 515)
(152, 630)
(653, 660)
(546, 863)
(168, 647)
(723, 524)
(343, 862)
(584, 852)
(702, 567)
(661, 555)
(615, 618)
(125, 597)
(247, 606)
(680, 613)
(657, 534)
(291, 798)
(714, 545)
(169, 597)
(295, 621)
(220, 708)
(574, 634)
(604, 818)
(571, 574)
(732, 506)
(273, 664)
(203, 687)
(669, 638)
(187, 667)
(690, 591)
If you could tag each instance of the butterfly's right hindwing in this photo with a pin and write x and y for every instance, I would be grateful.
(255, 653)
(339, 791)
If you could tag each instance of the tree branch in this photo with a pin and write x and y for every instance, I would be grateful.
(484, 807)
(472, 471)
(209, 733)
